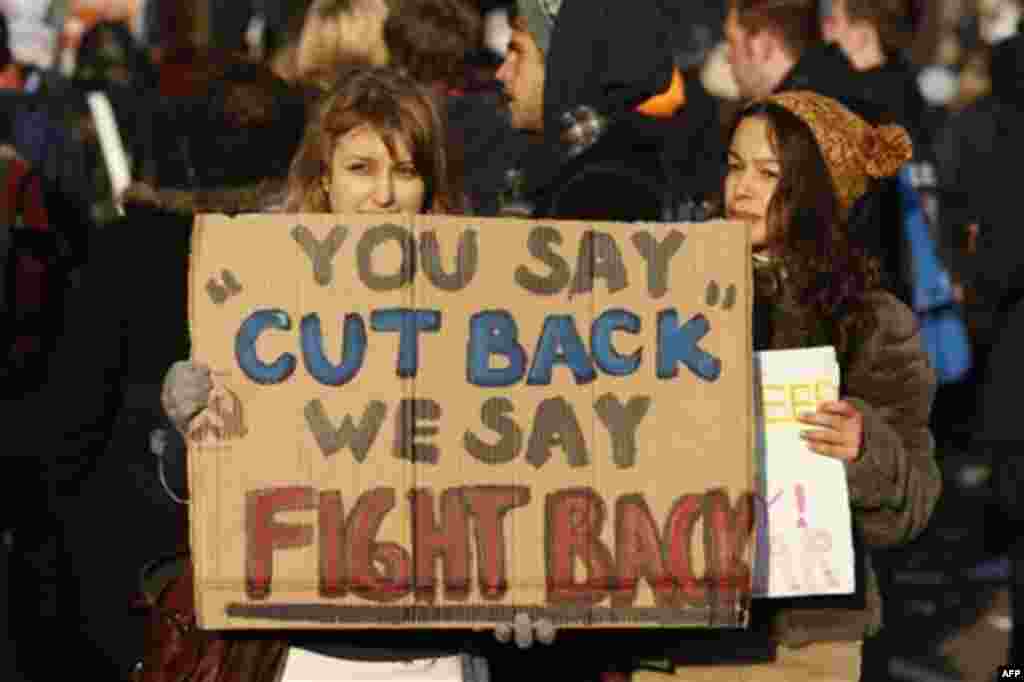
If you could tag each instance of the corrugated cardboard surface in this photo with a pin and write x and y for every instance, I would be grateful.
(289, 533)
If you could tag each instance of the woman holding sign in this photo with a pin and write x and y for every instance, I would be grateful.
(802, 170)
(375, 146)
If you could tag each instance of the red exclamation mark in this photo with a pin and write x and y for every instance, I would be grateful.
(801, 505)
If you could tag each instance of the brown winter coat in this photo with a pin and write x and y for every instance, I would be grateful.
(894, 484)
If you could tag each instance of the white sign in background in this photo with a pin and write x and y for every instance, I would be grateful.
(31, 39)
(806, 546)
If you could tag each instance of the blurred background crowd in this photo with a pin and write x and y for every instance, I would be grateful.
(171, 70)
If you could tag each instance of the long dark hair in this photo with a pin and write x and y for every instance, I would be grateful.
(827, 272)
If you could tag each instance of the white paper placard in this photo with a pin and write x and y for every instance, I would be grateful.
(307, 666)
(806, 546)
(110, 144)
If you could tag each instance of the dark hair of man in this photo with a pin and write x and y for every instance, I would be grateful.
(893, 19)
(796, 22)
(829, 271)
(431, 39)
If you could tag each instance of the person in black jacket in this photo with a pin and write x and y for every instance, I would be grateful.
(997, 437)
(976, 149)
(433, 41)
(874, 36)
(973, 151)
(777, 45)
(87, 432)
(621, 135)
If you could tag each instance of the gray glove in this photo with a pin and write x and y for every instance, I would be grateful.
(186, 392)
(525, 631)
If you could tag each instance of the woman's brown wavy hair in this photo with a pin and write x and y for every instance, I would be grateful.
(400, 110)
(827, 273)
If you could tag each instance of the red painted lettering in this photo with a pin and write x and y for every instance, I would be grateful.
(448, 541)
(727, 531)
(678, 539)
(489, 504)
(638, 553)
(365, 553)
(574, 519)
(263, 535)
(332, 545)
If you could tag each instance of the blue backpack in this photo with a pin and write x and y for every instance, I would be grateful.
(942, 327)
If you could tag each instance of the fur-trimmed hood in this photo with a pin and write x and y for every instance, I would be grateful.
(263, 197)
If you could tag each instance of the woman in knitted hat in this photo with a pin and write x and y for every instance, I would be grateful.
(802, 174)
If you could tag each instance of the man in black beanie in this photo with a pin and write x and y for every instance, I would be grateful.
(621, 136)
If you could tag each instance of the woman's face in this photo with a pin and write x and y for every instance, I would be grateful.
(365, 178)
(752, 178)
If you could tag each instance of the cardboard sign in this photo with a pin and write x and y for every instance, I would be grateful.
(806, 545)
(443, 421)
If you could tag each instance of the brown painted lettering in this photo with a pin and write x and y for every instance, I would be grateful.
(488, 505)
(492, 414)
(374, 237)
(599, 256)
(555, 425)
(573, 521)
(320, 253)
(408, 427)
(466, 260)
(622, 422)
(263, 535)
(539, 243)
(657, 257)
(357, 438)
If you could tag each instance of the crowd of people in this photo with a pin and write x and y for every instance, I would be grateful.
(585, 111)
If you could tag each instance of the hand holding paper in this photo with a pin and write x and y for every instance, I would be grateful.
(843, 434)
(805, 547)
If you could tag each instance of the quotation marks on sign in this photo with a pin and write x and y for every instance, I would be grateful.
(226, 288)
(713, 295)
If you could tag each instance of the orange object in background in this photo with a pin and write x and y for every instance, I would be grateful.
(10, 78)
(84, 13)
